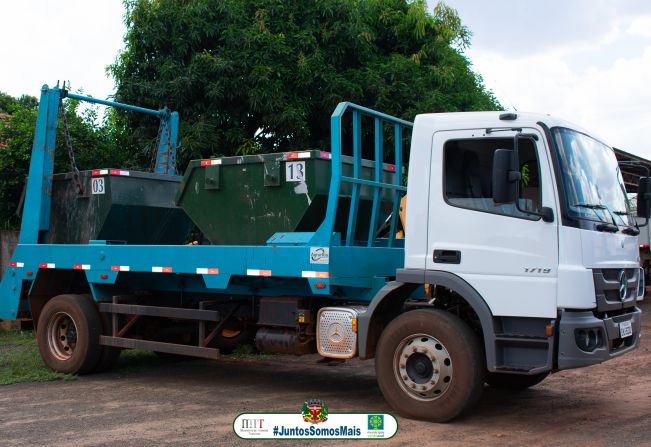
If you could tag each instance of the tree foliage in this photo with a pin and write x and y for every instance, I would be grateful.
(94, 144)
(264, 75)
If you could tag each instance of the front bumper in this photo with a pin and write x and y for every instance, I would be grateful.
(604, 334)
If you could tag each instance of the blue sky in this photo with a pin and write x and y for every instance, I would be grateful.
(588, 61)
(585, 61)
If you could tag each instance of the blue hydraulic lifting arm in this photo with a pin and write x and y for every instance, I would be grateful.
(36, 212)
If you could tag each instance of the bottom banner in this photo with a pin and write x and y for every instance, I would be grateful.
(314, 422)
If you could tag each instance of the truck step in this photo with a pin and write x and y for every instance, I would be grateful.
(170, 348)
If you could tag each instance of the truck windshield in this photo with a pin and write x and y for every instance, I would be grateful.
(594, 187)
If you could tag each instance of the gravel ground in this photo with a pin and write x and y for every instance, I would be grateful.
(193, 403)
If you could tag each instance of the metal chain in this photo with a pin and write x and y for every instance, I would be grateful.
(71, 152)
(152, 166)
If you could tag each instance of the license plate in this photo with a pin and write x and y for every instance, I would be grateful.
(625, 329)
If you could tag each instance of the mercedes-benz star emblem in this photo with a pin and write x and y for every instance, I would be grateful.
(335, 332)
(623, 280)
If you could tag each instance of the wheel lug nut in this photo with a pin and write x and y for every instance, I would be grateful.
(405, 377)
(436, 371)
(413, 385)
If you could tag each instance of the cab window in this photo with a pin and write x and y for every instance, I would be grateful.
(468, 167)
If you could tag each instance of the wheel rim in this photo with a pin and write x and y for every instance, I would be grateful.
(423, 367)
(62, 336)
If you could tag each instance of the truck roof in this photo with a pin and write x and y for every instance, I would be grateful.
(473, 120)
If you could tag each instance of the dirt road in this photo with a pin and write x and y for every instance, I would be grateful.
(194, 403)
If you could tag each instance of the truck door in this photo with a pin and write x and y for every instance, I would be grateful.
(510, 257)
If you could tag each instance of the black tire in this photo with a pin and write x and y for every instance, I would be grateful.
(514, 381)
(441, 358)
(109, 356)
(232, 336)
(68, 334)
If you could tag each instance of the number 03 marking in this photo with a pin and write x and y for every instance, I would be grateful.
(97, 185)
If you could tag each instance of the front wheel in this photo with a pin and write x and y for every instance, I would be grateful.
(429, 365)
(68, 334)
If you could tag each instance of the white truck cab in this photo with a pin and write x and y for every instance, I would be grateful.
(562, 254)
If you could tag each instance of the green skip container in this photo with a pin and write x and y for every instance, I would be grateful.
(245, 200)
(117, 205)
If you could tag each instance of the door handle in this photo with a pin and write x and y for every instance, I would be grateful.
(447, 256)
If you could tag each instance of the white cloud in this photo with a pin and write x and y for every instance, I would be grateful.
(640, 26)
(43, 41)
(612, 102)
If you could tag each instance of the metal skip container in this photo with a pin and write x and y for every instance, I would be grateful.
(117, 205)
(245, 200)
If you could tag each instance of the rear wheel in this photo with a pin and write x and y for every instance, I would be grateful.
(429, 365)
(514, 381)
(68, 334)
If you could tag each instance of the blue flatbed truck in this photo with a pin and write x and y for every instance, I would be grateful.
(437, 332)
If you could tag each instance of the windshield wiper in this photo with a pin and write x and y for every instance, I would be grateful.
(631, 231)
(607, 227)
(592, 206)
(599, 206)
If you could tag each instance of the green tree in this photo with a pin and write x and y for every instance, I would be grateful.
(94, 145)
(264, 75)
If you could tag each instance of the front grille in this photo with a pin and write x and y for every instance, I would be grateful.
(607, 288)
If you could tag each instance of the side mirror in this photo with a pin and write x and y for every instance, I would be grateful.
(644, 197)
(505, 177)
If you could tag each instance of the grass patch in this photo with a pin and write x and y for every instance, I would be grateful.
(249, 352)
(20, 360)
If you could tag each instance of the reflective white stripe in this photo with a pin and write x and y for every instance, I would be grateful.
(120, 268)
(315, 274)
(119, 172)
(103, 171)
(16, 264)
(47, 265)
(81, 267)
(296, 155)
(161, 269)
(255, 272)
(210, 162)
(207, 271)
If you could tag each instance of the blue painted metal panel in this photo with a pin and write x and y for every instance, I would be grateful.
(353, 273)
(324, 235)
(36, 211)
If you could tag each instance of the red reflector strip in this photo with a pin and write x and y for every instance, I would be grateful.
(97, 172)
(294, 155)
(327, 155)
(16, 264)
(644, 246)
(118, 172)
(120, 268)
(255, 272)
(81, 267)
(47, 265)
(315, 274)
(391, 168)
(207, 271)
(161, 269)
(210, 162)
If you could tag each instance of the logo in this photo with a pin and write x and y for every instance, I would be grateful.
(319, 255)
(376, 422)
(623, 280)
(314, 411)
